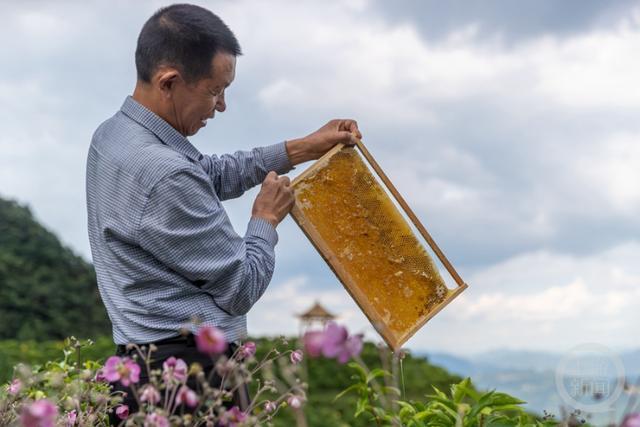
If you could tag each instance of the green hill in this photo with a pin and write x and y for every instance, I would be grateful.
(46, 291)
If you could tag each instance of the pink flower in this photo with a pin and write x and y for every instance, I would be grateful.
(269, 407)
(71, 418)
(631, 420)
(294, 401)
(156, 420)
(334, 342)
(174, 370)
(122, 411)
(211, 340)
(232, 417)
(313, 342)
(150, 394)
(41, 413)
(186, 396)
(123, 369)
(15, 386)
(247, 350)
(296, 357)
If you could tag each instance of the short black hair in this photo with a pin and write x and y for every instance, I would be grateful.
(184, 36)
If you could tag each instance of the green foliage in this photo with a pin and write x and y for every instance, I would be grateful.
(46, 292)
(464, 406)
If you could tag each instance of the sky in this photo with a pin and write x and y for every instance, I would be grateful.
(511, 128)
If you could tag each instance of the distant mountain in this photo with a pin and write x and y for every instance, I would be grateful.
(504, 360)
(46, 291)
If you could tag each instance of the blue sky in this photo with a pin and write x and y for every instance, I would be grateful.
(511, 128)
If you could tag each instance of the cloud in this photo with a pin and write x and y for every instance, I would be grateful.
(513, 138)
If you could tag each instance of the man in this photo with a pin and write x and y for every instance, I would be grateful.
(163, 248)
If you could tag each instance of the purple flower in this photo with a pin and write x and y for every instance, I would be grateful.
(296, 357)
(631, 420)
(294, 401)
(232, 417)
(174, 370)
(156, 420)
(14, 387)
(269, 406)
(186, 396)
(100, 376)
(71, 418)
(122, 411)
(41, 413)
(150, 394)
(313, 342)
(123, 369)
(247, 350)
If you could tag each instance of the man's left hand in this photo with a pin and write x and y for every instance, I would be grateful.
(314, 145)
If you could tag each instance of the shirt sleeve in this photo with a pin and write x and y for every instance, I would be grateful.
(233, 174)
(185, 227)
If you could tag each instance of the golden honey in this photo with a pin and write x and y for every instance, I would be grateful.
(371, 240)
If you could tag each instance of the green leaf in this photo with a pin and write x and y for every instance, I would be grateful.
(376, 373)
(352, 387)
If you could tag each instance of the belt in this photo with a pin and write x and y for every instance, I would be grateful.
(187, 340)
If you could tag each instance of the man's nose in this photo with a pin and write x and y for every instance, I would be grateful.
(221, 105)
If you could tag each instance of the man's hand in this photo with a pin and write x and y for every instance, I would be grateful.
(313, 146)
(275, 199)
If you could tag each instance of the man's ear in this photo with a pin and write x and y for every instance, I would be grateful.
(166, 80)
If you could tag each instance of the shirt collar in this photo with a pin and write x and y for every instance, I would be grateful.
(163, 130)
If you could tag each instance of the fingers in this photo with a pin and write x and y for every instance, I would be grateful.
(351, 126)
(271, 176)
(347, 138)
(285, 180)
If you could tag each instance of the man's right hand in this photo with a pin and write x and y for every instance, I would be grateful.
(275, 199)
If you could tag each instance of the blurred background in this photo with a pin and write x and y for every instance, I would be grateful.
(510, 127)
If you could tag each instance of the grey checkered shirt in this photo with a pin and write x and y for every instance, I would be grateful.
(163, 247)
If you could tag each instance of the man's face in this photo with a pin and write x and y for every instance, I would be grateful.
(195, 103)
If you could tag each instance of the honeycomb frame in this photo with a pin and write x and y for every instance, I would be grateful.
(323, 239)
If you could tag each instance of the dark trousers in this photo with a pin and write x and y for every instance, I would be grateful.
(180, 348)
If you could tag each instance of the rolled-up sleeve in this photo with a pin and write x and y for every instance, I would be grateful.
(233, 174)
(185, 227)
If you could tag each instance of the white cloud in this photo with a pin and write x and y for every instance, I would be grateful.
(542, 301)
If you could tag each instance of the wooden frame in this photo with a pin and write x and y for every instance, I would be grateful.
(394, 341)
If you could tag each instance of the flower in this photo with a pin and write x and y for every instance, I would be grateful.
(186, 396)
(150, 394)
(334, 342)
(14, 387)
(71, 418)
(313, 342)
(247, 350)
(156, 420)
(211, 340)
(269, 406)
(174, 370)
(296, 357)
(294, 401)
(41, 413)
(122, 411)
(123, 369)
(232, 417)
(631, 420)
(100, 376)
